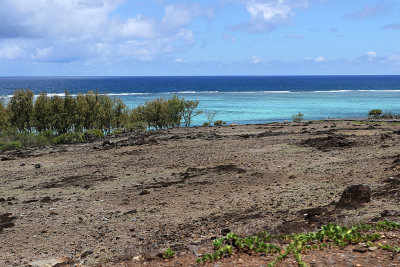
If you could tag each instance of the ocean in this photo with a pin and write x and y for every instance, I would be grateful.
(238, 99)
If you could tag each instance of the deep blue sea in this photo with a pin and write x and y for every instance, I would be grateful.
(238, 99)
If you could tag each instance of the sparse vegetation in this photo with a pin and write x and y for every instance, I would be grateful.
(210, 116)
(379, 114)
(188, 111)
(329, 236)
(375, 113)
(219, 122)
(299, 117)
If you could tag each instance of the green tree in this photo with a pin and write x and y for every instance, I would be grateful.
(120, 114)
(70, 111)
(155, 113)
(299, 117)
(174, 109)
(188, 112)
(20, 109)
(136, 119)
(92, 112)
(106, 113)
(375, 113)
(81, 112)
(59, 122)
(4, 118)
(42, 113)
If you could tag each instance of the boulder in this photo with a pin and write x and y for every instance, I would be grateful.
(354, 196)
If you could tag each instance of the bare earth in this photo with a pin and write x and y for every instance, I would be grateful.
(100, 203)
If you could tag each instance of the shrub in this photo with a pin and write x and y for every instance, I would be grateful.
(375, 113)
(41, 140)
(188, 112)
(299, 117)
(10, 146)
(69, 138)
(390, 115)
(115, 132)
(210, 116)
(169, 253)
(92, 134)
(206, 124)
(134, 127)
(219, 122)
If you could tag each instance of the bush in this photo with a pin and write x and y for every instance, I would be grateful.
(219, 122)
(10, 146)
(299, 117)
(134, 127)
(206, 124)
(92, 134)
(116, 132)
(390, 115)
(69, 138)
(375, 113)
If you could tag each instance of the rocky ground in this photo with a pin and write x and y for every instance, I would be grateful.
(124, 200)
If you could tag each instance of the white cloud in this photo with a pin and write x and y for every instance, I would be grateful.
(266, 15)
(54, 18)
(369, 11)
(230, 38)
(371, 54)
(11, 51)
(256, 60)
(148, 49)
(176, 17)
(43, 53)
(294, 36)
(81, 30)
(317, 59)
(179, 60)
(138, 27)
(269, 10)
(394, 57)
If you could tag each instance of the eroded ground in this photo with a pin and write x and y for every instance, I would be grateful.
(106, 202)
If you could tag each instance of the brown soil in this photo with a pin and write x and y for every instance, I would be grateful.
(128, 198)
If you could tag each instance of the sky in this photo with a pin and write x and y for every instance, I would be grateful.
(219, 37)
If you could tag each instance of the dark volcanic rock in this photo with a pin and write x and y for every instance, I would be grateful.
(139, 142)
(6, 221)
(107, 142)
(144, 192)
(390, 213)
(355, 195)
(325, 143)
(5, 158)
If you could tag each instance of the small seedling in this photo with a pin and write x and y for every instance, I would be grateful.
(169, 253)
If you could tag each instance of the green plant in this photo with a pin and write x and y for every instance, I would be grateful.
(92, 134)
(206, 124)
(210, 116)
(188, 111)
(10, 146)
(219, 122)
(328, 236)
(169, 253)
(375, 113)
(299, 117)
(68, 138)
